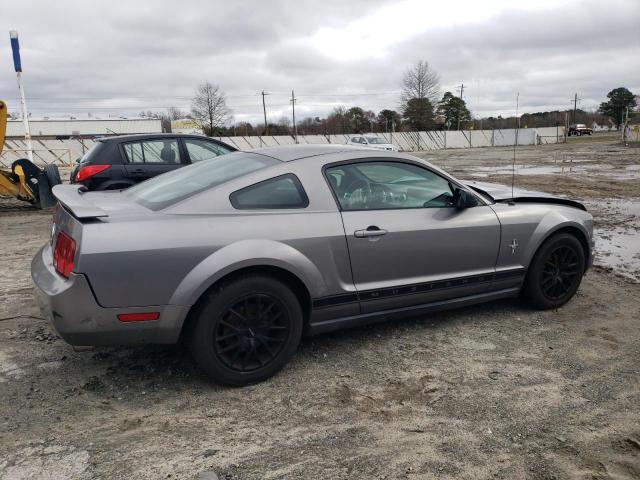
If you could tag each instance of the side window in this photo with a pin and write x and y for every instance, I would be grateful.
(134, 152)
(203, 150)
(285, 191)
(153, 151)
(388, 185)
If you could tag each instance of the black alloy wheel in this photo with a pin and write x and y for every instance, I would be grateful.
(556, 271)
(245, 329)
(251, 332)
(560, 273)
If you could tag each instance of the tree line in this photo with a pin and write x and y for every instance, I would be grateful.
(421, 108)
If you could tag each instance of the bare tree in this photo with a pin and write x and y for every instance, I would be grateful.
(175, 113)
(420, 81)
(209, 108)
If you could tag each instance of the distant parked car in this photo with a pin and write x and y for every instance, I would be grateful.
(579, 129)
(114, 163)
(371, 141)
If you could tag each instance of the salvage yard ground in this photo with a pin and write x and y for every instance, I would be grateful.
(492, 391)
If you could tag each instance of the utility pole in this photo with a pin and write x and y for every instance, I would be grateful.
(461, 91)
(393, 125)
(15, 47)
(295, 126)
(575, 107)
(625, 122)
(264, 109)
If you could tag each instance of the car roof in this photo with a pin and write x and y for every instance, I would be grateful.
(290, 153)
(147, 136)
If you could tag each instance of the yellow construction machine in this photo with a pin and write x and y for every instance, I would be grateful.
(24, 180)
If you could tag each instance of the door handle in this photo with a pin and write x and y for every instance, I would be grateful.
(138, 170)
(371, 231)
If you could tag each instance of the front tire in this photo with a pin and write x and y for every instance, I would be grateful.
(555, 272)
(246, 330)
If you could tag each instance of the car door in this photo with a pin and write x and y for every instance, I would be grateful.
(147, 158)
(407, 242)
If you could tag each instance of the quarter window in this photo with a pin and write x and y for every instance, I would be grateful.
(388, 185)
(203, 150)
(280, 192)
(153, 151)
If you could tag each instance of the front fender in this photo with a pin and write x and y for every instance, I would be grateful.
(529, 225)
(551, 223)
(247, 253)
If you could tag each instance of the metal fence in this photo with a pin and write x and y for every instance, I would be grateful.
(60, 152)
(63, 152)
(417, 141)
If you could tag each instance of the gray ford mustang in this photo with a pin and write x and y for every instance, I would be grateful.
(242, 254)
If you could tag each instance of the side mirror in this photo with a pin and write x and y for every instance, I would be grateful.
(463, 199)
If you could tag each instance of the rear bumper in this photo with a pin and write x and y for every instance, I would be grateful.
(71, 308)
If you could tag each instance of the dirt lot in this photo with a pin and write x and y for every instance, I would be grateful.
(494, 391)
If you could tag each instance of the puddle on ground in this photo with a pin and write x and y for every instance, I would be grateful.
(617, 235)
(628, 172)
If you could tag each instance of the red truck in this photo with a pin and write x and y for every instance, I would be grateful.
(579, 129)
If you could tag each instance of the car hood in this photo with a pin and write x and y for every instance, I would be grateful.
(503, 193)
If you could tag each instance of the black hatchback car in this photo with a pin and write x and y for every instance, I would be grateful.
(118, 162)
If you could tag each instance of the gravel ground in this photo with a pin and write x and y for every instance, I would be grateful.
(492, 391)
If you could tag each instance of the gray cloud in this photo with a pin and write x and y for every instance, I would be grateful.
(121, 58)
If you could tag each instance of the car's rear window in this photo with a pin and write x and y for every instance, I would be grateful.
(172, 187)
(92, 152)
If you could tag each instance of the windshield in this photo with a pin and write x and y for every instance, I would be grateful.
(165, 190)
(375, 140)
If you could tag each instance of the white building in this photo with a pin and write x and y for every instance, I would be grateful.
(89, 127)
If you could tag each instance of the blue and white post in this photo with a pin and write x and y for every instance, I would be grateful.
(15, 47)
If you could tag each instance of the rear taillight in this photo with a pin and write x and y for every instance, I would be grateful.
(63, 254)
(89, 171)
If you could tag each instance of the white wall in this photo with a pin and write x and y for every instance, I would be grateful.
(60, 151)
(413, 141)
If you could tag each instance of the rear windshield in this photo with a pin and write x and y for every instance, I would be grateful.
(170, 188)
(92, 152)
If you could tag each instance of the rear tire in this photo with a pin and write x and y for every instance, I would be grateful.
(53, 175)
(555, 273)
(245, 330)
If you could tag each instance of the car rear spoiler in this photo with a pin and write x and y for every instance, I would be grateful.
(71, 196)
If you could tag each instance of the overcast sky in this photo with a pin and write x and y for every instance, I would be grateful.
(121, 57)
